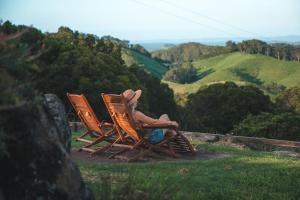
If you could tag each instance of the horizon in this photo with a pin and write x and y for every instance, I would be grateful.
(279, 38)
(160, 19)
(205, 40)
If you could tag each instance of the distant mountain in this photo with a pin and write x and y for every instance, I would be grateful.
(160, 43)
(157, 46)
(263, 71)
(292, 39)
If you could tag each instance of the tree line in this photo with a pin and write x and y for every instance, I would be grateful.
(192, 51)
(280, 51)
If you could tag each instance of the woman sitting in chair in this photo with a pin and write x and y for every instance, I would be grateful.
(157, 134)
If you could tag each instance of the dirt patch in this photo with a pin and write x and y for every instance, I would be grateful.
(154, 157)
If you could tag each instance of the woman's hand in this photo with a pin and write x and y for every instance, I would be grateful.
(174, 123)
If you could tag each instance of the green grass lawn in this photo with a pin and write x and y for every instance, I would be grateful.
(246, 174)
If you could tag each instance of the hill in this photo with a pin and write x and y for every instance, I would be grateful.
(131, 57)
(153, 46)
(187, 52)
(262, 71)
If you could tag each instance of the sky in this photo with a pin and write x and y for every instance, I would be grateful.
(145, 20)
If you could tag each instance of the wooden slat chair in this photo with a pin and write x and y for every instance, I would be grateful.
(103, 131)
(124, 123)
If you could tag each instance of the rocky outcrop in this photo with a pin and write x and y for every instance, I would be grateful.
(57, 111)
(35, 161)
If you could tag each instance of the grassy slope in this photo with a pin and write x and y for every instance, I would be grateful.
(155, 68)
(246, 174)
(261, 68)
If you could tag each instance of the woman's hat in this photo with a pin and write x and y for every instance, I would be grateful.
(132, 96)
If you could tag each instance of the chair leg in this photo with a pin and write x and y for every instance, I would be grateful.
(118, 153)
(101, 149)
(84, 140)
(96, 141)
(140, 155)
(127, 149)
(166, 150)
(83, 135)
(173, 152)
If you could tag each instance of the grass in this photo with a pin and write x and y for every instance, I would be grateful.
(243, 69)
(246, 174)
(155, 68)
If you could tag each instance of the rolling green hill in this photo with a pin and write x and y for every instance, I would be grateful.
(132, 57)
(243, 69)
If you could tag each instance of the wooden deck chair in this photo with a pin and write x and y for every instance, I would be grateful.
(102, 131)
(124, 123)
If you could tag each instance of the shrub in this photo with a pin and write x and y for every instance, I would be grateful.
(219, 107)
(278, 126)
(289, 100)
(184, 73)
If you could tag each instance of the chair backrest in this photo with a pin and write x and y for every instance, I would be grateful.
(85, 112)
(121, 115)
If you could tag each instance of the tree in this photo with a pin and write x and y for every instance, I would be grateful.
(277, 50)
(253, 46)
(284, 126)
(231, 46)
(184, 73)
(64, 33)
(90, 40)
(273, 88)
(140, 49)
(289, 100)
(8, 28)
(219, 107)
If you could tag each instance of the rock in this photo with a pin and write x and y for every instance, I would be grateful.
(57, 111)
(286, 153)
(36, 163)
(1, 195)
(204, 137)
(210, 138)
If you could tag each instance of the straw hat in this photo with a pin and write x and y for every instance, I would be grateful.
(132, 96)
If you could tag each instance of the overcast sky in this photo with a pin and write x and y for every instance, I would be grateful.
(159, 19)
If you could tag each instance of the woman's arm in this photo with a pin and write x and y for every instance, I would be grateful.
(141, 117)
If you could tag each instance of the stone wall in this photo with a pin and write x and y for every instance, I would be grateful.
(261, 144)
